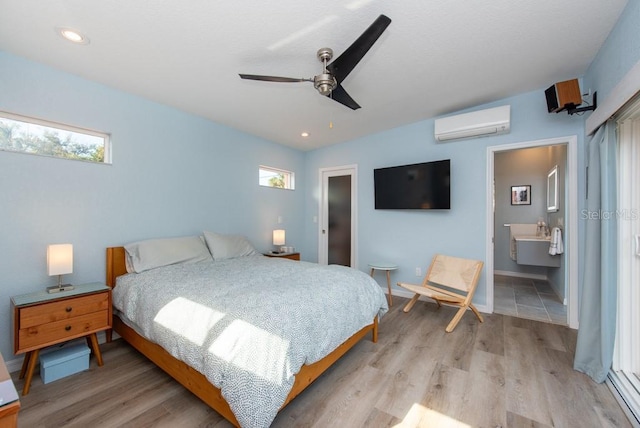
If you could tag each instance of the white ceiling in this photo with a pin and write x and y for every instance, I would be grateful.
(437, 56)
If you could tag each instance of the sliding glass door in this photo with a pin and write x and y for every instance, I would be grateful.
(626, 360)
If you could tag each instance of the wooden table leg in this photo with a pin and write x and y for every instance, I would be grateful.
(389, 286)
(25, 362)
(373, 270)
(33, 358)
(92, 339)
(374, 332)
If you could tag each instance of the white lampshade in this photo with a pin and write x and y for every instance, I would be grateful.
(59, 259)
(278, 237)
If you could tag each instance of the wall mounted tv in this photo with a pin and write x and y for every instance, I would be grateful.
(420, 186)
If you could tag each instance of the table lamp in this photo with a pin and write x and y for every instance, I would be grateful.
(278, 239)
(59, 262)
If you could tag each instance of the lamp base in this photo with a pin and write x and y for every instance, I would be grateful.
(59, 288)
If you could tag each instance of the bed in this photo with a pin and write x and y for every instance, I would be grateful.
(245, 390)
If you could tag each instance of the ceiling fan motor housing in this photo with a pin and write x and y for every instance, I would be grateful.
(324, 83)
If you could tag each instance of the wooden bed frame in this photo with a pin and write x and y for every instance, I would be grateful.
(196, 382)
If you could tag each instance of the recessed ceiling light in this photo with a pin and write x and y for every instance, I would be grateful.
(305, 134)
(73, 35)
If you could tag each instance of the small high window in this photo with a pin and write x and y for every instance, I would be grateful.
(274, 177)
(40, 137)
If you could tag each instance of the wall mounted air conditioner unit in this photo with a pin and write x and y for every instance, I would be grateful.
(482, 123)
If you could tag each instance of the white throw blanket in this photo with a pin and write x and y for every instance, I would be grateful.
(556, 247)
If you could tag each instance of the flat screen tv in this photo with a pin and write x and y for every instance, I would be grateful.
(420, 186)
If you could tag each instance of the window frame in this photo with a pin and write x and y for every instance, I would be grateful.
(107, 159)
(289, 177)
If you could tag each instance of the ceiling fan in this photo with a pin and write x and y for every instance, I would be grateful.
(329, 82)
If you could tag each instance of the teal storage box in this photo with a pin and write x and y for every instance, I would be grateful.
(56, 363)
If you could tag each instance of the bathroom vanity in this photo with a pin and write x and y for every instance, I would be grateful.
(534, 250)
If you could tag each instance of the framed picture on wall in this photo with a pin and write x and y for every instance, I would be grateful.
(521, 195)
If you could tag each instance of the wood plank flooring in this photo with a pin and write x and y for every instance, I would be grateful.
(506, 372)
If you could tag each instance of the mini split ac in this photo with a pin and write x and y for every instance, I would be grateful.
(482, 123)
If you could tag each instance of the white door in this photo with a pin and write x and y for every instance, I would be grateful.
(338, 208)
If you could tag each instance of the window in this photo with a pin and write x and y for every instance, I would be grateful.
(39, 137)
(273, 177)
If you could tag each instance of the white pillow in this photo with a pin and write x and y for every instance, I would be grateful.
(228, 246)
(153, 253)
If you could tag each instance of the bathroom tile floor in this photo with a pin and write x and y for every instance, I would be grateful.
(527, 298)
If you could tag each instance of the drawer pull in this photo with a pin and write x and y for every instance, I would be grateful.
(67, 328)
(68, 309)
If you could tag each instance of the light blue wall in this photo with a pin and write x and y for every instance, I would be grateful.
(619, 53)
(410, 238)
(172, 174)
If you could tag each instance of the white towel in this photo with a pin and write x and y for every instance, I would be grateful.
(556, 247)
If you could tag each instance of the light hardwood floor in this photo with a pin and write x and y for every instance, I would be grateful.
(506, 372)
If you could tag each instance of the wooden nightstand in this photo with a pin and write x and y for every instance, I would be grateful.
(9, 403)
(41, 319)
(292, 256)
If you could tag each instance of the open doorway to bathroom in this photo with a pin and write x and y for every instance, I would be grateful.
(528, 281)
(533, 213)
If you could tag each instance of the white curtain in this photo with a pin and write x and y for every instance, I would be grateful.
(598, 301)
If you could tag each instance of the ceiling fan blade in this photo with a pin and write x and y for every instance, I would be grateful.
(342, 66)
(341, 96)
(273, 78)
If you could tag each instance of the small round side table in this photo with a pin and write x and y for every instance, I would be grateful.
(387, 267)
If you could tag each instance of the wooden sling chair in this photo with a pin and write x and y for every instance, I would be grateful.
(449, 280)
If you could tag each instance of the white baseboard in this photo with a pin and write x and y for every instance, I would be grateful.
(521, 275)
(15, 364)
(555, 290)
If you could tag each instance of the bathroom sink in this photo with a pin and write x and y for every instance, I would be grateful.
(534, 251)
(531, 238)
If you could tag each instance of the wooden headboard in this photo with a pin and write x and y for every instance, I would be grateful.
(116, 265)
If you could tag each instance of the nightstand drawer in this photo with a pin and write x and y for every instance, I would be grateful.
(54, 332)
(62, 310)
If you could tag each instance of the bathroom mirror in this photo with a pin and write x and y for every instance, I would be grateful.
(552, 190)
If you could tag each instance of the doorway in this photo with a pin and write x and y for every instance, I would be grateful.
(570, 220)
(338, 208)
(528, 282)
